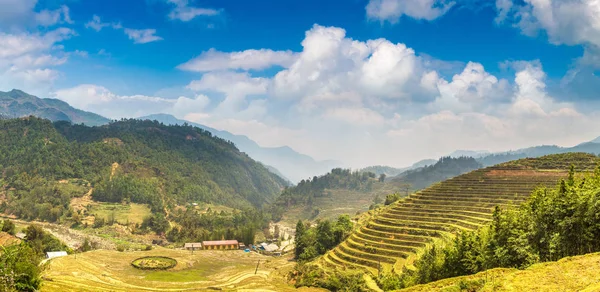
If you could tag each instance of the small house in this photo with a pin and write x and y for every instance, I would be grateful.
(269, 247)
(242, 245)
(193, 246)
(56, 254)
(220, 245)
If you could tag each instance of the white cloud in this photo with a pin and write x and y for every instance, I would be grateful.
(139, 36)
(568, 22)
(392, 10)
(356, 116)
(26, 59)
(97, 24)
(142, 36)
(213, 60)
(53, 17)
(184, 12)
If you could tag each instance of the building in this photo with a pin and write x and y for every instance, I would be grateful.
(55, 254)
(220, 244)
(269, 247)
(193, 246)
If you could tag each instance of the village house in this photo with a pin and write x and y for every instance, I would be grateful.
(220, 244)
(193, 246)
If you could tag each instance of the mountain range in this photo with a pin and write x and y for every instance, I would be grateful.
(16, 103)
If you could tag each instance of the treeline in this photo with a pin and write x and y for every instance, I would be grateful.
(194, 226)
(552, 224)
(19, 264)
(444, 168)
(307, 190)
(159, 165)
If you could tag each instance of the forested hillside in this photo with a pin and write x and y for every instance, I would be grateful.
(125, 161)
(444, 168)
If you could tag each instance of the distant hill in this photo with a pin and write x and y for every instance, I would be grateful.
(17, 103)
(126, 161)
(381, 169)
(469, 153)
(293, 165)
(444, 168)
(538, 151)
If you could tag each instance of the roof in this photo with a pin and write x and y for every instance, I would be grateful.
(219, 242)
(55, 254)
(193, 244)
(270, 247)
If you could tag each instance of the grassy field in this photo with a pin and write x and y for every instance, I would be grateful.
(581, 273)
(129, 213)
(104, 270)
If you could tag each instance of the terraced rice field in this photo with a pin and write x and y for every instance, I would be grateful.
(391, 239)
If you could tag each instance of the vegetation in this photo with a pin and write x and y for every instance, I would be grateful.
(551, 224)
(162, 166)
(8, 227)
(154, 263)
(194, 226)
(19, 263)
(390, 241)
(314, 241)
(579, 273)
(380, 169)
(444, 168)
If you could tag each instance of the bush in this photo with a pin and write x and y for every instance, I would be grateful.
(8, 227)
(154, 263)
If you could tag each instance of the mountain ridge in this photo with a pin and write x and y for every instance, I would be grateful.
(293, 165)
(17, 103)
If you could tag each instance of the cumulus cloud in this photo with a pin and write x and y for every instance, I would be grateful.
(568, 22)
(27, 59)
(19, 13)
(392, 10)
(184, 12)
(213, 60)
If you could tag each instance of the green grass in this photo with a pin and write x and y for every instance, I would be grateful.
(129, 213)
(154, 263)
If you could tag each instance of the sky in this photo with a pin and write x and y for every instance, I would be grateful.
(365, 82)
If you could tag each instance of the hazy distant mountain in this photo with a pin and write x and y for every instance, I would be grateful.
(537, 151)
(17, 103)
(393, 171)
(469, 153)
(293, 165)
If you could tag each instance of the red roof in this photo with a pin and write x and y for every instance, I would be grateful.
(220, 242)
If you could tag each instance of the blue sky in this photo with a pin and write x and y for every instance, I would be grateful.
(328, 78)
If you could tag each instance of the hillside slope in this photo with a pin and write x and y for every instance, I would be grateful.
(129, 160)
(17, 103)
(392, 238)
(294, 166)
(579, 273)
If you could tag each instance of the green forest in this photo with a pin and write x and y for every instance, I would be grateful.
(444, 168)
(163, 166)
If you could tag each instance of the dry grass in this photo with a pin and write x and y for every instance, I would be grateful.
(580, 273)
(104, 270)
(124, 214)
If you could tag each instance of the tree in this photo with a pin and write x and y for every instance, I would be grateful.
(19, 268)
(391, 198)
(8, 227)
(300, 230)
(382, 177)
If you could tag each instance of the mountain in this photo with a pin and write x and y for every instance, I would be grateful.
(126, 161)
(392, 171)
(469, 153)
(17, 103)
(444, 168)
(294, 166)
(538, 151)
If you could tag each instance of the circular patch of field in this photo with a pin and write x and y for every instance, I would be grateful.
(154, 263)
